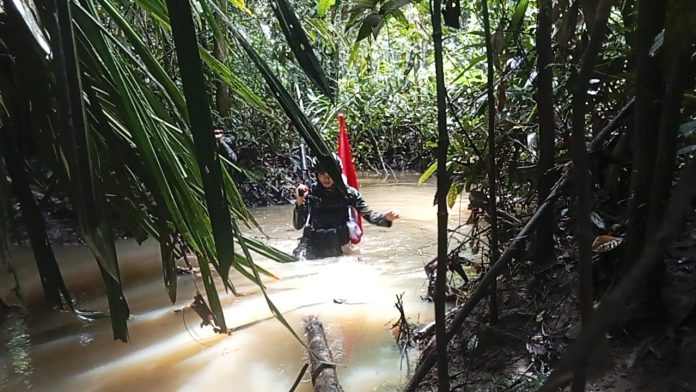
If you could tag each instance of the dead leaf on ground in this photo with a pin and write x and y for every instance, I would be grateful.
(605, 243)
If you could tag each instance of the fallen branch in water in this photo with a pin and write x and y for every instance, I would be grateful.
(324, 378)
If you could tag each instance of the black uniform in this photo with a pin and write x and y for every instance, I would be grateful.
(226, 147)
(326, 230)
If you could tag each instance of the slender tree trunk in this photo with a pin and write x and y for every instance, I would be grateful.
(647, 116)
(581, 169)
(568, 27)
(442, 190)
(544, 244)
(628, 15)
(679, 76)
(222, 90)
(492, 169)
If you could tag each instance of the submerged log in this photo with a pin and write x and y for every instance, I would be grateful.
(324, 378)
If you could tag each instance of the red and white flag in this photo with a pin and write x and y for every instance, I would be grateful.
(348, 170)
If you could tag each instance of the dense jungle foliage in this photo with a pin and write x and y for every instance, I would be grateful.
(584, 109)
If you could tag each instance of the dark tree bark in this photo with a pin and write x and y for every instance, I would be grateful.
(679, 77)
(568, 27)
(628, 14)
(492, 169)
(544, 244)
(222, 90)
(589, 8)
(581, 170)
(651, 14)
(442, 190)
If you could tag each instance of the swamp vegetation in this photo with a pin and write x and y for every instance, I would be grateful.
(570, 126)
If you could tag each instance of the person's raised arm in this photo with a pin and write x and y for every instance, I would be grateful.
(300, 212)
(376, 218)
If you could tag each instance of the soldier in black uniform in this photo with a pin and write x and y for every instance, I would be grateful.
(323, 212)
(225, 143)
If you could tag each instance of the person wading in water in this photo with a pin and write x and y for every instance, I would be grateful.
(322, 211)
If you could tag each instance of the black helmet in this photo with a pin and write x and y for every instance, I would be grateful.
(318, 167)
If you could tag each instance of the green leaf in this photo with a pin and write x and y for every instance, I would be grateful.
(454, 192)
(157, 10)
(241, 89)
(687, 150)
(80, 155)
(300, 121)
(688, 128)
(241, 5)
(21, 9)
(154, 66)
(186, 45)
(516, 21)
(166, 241)
(427, 173)
(393, 5)
(301, 48)
(371, 25)
(323, 7)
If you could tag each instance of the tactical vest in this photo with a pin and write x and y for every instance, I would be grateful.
(327, 209)
(327, 230)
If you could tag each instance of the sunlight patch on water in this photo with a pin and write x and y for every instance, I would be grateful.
(15, 348)
(166, 352)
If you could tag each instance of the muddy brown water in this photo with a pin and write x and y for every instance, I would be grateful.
(353, 296)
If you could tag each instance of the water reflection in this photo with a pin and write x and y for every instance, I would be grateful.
(17, 368)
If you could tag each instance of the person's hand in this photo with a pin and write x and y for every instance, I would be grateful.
(300, 193)
(392, 215)
(218, 134)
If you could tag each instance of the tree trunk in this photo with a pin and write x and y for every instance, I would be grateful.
(679, 77)
(628, 15)
(581, 168)
(442, 191)
(544, 245)
(492, 170)
(222, 90)
(324, 378)
(589, 8)
(647, 116)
